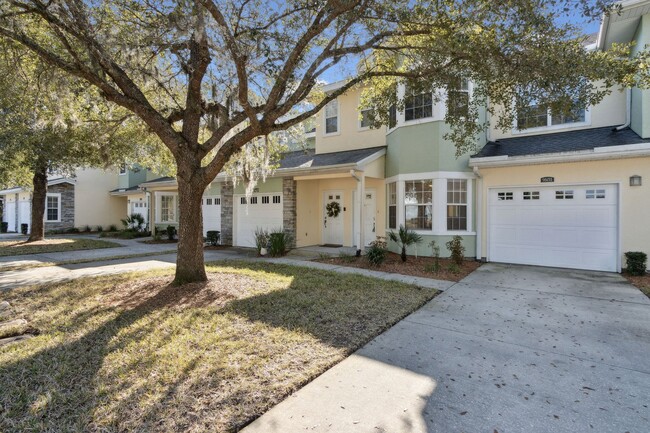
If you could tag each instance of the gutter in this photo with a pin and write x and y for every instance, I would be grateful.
(598, 153)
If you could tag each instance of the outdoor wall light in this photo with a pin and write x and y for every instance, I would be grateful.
(635, 180)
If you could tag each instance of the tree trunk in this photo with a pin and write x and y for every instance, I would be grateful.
(403, 253)
(39, 195)
(190, 265)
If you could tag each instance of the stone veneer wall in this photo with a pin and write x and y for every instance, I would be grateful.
(67, 206)
(289, 214)
(227, 190)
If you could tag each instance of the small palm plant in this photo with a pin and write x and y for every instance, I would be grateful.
(404, 238)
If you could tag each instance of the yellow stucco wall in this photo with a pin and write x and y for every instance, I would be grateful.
(634, 201)
(93, 204)
(350, 136)
(611, 111)
(310, 208)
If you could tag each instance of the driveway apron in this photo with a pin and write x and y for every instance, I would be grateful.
(508, 349)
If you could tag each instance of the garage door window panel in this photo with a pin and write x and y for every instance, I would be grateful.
(418, 204)
(564, 195)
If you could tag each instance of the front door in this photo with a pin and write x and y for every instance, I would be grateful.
(333, 218)
(369, 217)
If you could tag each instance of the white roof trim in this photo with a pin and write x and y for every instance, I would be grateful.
(61, 180)
(11, 190)
(598, 153)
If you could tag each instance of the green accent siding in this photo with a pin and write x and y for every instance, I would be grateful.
(271, 185)
(420, 148)
(213, 189)
(423, 249)
(640, 121)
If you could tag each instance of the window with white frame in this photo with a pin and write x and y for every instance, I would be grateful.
(365, 120)
(167, 208)
(456, 204)
(392, 205)
(539, 116)
(418, 204)
(53, 208)
(332, 117)
(418, 106)
(458, 98)
(122, 169)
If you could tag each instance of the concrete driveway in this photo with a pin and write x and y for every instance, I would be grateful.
(509, 349)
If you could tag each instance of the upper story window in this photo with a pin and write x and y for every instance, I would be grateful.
(418, 204)
(122, 169)
(458, 98)
(539, 116)
(365, 121)
(418, 106)
(332, 117)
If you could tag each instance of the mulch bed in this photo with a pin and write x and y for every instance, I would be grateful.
(416, 267)
(641, 281)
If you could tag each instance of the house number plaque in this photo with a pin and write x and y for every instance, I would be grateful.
(547, 179)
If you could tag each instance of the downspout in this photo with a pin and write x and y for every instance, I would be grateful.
(628, 111)
(479, 213)
(361, 185)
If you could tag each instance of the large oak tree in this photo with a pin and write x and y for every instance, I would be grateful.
(209, 76)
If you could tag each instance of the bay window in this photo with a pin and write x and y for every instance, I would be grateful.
(392, 205)
(456, 204)
(418, 106)
(418, 204)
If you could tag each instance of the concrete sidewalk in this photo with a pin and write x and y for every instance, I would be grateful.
(127, 247)
(508, 349)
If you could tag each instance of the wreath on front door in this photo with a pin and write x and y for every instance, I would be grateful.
(333, 209)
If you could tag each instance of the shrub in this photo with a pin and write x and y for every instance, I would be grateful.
(279, 242)
(134, 222)
(100, 229)
(171, 232)
(456, 250)
(376, 253)
(404, 238)
(72, 230)
(636, 262)
(87, 229)
(212, 236)
(261, 239)
(112, 228)
(435, 250)
(157, 236)
(454, 268)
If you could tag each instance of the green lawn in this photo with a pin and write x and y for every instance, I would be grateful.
(131, 353)
(54, 245)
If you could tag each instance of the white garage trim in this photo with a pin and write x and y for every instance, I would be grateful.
(572, 250)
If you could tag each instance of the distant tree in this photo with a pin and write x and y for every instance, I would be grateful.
(209, 76)
(50, 125)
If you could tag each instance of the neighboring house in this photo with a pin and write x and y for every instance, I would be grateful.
(132, 198)
(79, 201)
(572, 191)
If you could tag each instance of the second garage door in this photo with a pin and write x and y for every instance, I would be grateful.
(258, 211)
(568, 226)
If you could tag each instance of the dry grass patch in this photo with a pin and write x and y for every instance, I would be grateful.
(132, 353)
(16, 248)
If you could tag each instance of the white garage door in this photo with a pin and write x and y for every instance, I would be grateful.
(25, 214)
(561, 226)
(9, 215)
(260, 210)
(211, 213)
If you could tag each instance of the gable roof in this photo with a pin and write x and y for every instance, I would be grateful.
(560, 142)
(50, 182)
